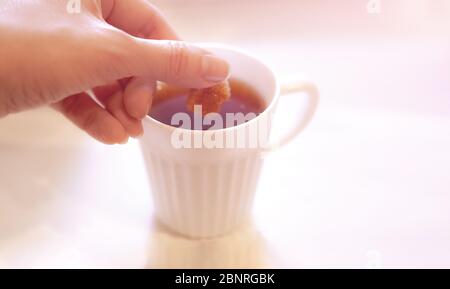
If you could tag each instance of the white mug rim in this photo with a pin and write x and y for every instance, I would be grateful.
(268, 109)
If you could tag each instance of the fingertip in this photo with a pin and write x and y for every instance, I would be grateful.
(138, 97)
(124, 141)
(139, 133)
(136, 129)
(108, 130)
(114, 104)
(113, 139)
(119, 134)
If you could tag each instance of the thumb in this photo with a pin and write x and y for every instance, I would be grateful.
(117, 55)
(177, 62)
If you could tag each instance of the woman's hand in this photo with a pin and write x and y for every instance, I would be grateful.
(51, 55)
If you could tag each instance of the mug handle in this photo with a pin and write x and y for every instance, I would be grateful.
(297, 87)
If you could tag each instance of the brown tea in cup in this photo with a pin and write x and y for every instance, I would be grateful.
(243, 99)
(210, 99)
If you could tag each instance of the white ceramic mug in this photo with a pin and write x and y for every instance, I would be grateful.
(208, 192)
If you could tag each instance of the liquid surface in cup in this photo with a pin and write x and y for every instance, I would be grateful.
(244, 104)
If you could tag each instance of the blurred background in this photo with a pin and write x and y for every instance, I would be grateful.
(367, 185)
(379, 49)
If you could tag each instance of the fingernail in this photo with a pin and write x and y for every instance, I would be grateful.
(214, 68)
